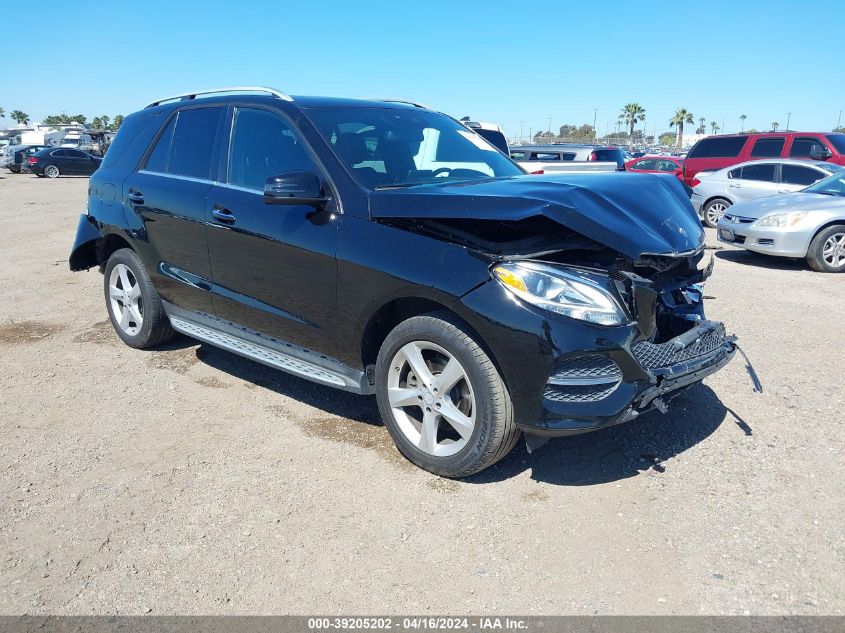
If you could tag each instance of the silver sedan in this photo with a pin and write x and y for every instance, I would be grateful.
(809, 224)
(718, 190)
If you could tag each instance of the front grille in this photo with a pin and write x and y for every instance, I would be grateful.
(739, 239)
(578, 393)
(655, 355)
(738, 219)
(766, 241)
(586, 367)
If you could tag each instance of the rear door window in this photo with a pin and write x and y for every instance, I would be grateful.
(804, 146)
(667, 166)
(798, 175)
(157, 161)
(193, 142)
(645, 164)
(764, 172)
(768, 147)
(718, 147)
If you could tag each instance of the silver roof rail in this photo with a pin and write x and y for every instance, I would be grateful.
(416, 104)
(192, 95)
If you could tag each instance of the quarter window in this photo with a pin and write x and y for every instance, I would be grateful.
(718, 147)
(768, 147)
(797, 175)
(546, 156)
(157, 161)
(263, 145)
(804, 147)
(764, 172)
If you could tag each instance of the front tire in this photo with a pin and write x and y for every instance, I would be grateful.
(713, 211)
(442, 398)
(134, 307)
(51, 171)
(827, 250)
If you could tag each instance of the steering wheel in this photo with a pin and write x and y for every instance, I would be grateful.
(441, 170)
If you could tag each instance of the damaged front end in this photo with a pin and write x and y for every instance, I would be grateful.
(637, 241)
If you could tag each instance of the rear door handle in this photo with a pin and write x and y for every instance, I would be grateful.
(735, 186)
(223, 215)
(135, 197)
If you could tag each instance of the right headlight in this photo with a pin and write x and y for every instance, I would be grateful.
(560, 291)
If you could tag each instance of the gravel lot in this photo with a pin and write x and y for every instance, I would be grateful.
(186, 480)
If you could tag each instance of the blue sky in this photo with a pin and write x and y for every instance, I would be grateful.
(495, 61)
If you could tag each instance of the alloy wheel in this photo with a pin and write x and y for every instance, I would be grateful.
(51, 171)
(833, 251)
(715, 212)
(126, 302)
(431, 398)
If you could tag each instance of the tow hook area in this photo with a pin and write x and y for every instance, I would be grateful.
(755, 379)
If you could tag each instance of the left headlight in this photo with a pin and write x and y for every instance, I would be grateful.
(781, 219)
(563, 292)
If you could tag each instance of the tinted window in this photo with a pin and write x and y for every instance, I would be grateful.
(59, 152)
(768, 147)
(797, 175)
(838, 141)
(193, 142)
(157, 161)
(610, 156)
(735, 173)
(545, 156)
(518, 155)
(129, 130)
(805, 146)
(494, 137)
(718, 147)
(765, 172)
(75, 153)
(645, 164)
(666, 165)
(263, 145)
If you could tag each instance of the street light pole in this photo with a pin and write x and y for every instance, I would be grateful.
(788, 115)
(595, 111)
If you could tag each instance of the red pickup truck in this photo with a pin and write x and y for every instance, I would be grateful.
(716, 152)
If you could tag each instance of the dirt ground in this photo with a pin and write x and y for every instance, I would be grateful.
(187, 480)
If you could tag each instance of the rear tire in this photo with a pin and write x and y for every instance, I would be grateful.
(827, 250)
(133, 304)
(442, 398)
(713, 211)
(51, 171)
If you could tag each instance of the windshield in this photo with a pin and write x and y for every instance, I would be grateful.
(832, 185)
(394, 147)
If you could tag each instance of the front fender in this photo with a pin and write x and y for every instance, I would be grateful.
(83, 254)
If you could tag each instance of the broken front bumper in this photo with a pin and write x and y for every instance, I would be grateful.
(592, 391)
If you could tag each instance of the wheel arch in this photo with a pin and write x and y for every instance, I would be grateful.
(827, 225)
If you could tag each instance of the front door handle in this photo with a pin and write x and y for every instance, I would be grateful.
(135, 197)
(735, 186)
(221, 214)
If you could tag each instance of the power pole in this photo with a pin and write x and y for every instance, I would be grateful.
(839, 120)
(595, 111)
(788, 115)
(550, 125)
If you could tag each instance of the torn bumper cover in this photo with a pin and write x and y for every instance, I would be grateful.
(589, 392)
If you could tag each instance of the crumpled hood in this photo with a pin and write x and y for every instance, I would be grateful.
(634, 214)
(786, 202)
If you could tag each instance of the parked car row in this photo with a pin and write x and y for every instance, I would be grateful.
(51, 162)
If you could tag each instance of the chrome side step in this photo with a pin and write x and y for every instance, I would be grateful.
(268, 351)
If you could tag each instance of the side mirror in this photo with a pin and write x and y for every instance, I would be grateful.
(818, 153)
(295, 187)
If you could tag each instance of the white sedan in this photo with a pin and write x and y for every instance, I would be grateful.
(809, 224)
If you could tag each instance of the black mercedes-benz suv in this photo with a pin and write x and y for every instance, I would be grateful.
(384, 248)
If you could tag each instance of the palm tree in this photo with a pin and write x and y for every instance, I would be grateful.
(631, 114)
(714, 126)
(20, 117)
(775, 126)
(2, 113)
(682, 115)
(702, 128)
(742, 118)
